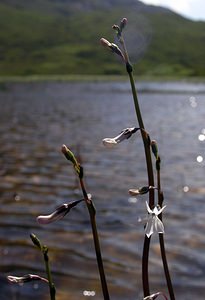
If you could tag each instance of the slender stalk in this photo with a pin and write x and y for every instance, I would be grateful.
(161, 236)
(48, 272)
(146, 142)
(92, 214)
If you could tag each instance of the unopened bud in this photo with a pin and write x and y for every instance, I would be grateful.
(123, 23)
(158, 162)
(71, 157)
(36, 241)
(154, 148)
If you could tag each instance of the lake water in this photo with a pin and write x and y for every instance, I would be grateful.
(35, 120)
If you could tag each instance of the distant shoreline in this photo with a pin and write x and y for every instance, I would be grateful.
(94, 78)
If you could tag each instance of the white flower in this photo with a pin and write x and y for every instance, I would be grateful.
(154, 224)
(124, 134)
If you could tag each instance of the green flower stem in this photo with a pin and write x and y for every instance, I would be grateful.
(161, 237)
(48, 272)
(146, 141)
(92, 214)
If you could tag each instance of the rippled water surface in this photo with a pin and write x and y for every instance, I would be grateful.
(35, 120)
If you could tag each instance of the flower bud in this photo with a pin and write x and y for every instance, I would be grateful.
(109, 142)
(71, 157)
(36, 241)
(154, 148)
(123, 23)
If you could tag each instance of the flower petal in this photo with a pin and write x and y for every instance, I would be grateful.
(109, 142)
(149, 229)
(148, 208)
(160, 210)
(134, 192)
(159, 227)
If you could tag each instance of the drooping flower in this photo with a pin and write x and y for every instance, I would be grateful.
(113, 47)
(25, 278)
(124, 134)
(154, 224)
(58, 214)
(154, 296)
(140, 191)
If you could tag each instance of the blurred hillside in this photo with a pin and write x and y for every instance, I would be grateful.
(62, 37)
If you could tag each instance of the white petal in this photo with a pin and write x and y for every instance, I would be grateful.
(149, 229)
(46, 219)
(160, 211)
(155, 211)
(134, 192)
(148, 208)
(109, 142)
(159, 227)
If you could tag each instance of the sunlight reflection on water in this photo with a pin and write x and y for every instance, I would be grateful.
(36, 119)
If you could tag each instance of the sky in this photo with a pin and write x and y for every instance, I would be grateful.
(192, 9)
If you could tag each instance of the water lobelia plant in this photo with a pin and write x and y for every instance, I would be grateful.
(155, 212)
(33, 277)
(154, 223)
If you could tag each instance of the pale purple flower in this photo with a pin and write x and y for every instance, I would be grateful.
(154, 224)
(124, 134)
(58, 214)
(25, 278)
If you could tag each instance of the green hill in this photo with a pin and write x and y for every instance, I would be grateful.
(62, 37)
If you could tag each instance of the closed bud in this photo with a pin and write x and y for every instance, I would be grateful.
(158, 162)
(154, 148)
(71, 157)
(123, 23)
(141, 191)
(36, 241)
